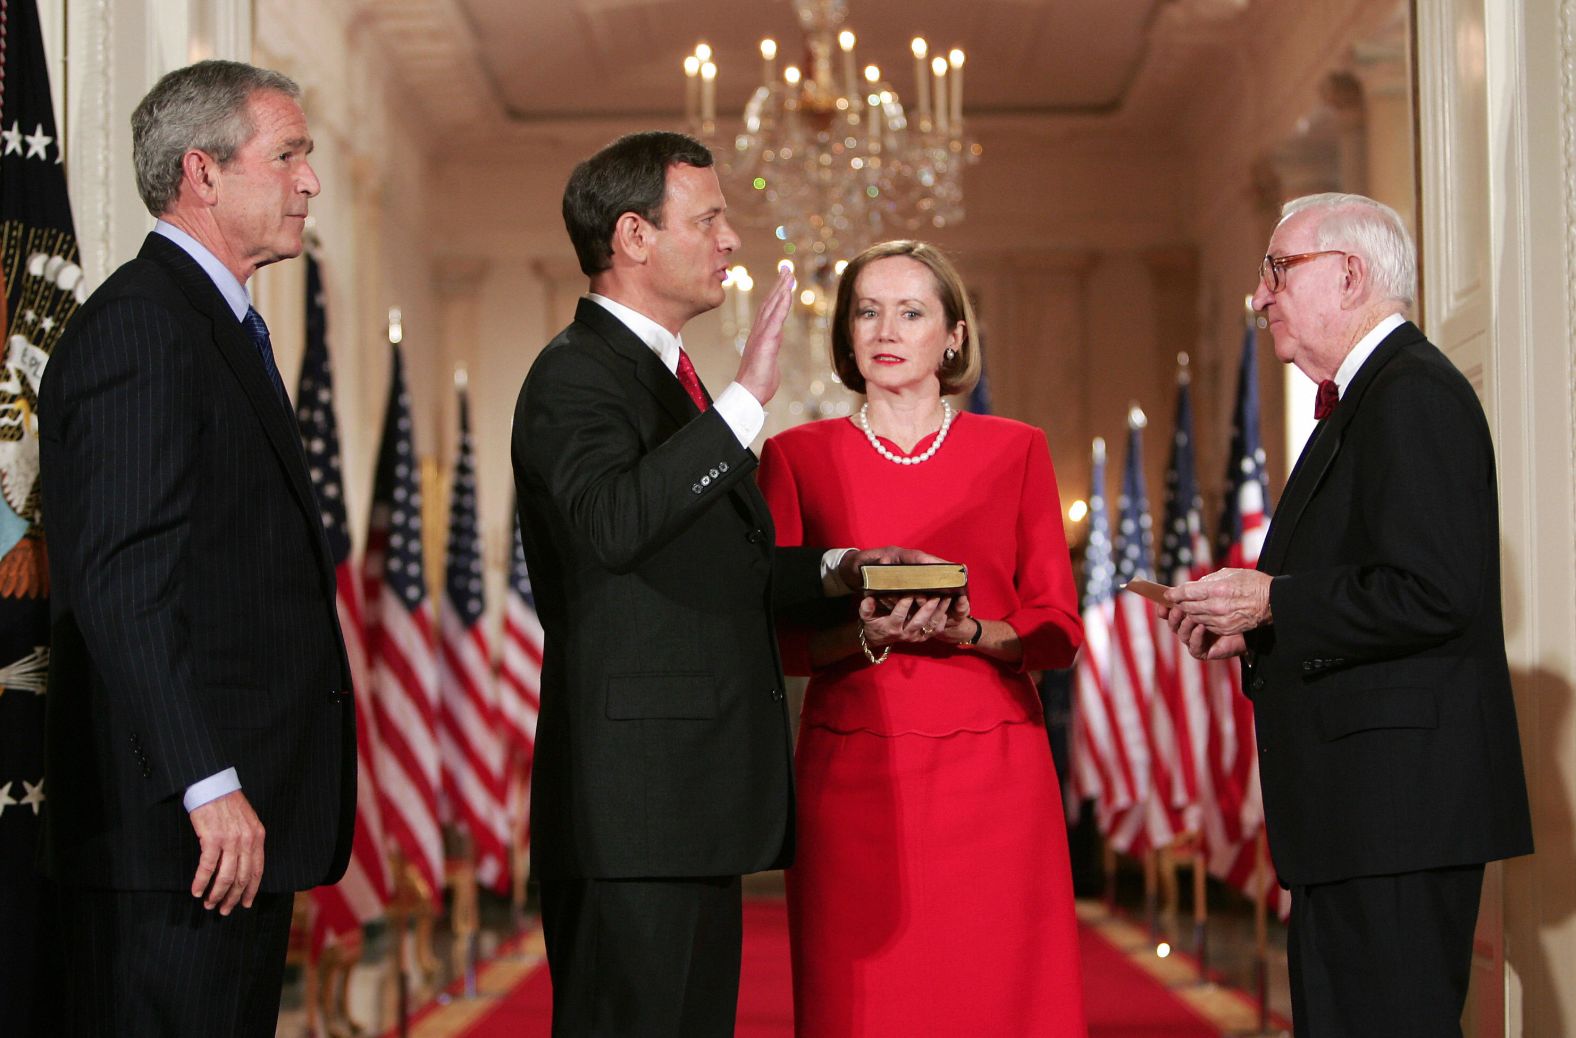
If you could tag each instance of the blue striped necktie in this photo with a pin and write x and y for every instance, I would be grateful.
(253, 323)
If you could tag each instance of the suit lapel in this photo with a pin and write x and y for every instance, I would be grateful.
(240, 355)
(1322, 447)
(649, 369)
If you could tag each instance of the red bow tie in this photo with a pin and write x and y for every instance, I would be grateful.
(1329, 396)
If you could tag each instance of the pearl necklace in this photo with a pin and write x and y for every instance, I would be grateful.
(898, 459)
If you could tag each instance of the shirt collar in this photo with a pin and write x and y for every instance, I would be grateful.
(235, 294)
(663, 343)
(1364, 349)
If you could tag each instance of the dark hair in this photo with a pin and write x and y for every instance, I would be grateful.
(628, 176)
(201, 107)
(958, 376)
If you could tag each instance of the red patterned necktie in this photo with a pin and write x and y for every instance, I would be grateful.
(1324, 403)
(691, 381)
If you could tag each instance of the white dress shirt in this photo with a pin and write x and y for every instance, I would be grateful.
(1364, 349)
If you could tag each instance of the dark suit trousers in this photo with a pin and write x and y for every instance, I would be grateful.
(643, 958)
(157, 963)
(1383, 956)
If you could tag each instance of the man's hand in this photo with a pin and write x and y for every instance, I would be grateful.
(231, 866)
(1226, 602)
(1200, 642)
(848, 567)
(758, 370)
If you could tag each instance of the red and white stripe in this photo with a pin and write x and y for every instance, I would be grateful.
(472, 747)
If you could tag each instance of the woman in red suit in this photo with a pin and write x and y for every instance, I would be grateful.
(932, 893)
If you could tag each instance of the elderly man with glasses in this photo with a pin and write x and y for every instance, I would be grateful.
(1372, 641)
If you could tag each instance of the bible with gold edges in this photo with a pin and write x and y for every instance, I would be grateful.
(914, 578)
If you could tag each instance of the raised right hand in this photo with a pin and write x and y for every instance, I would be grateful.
(758, 370)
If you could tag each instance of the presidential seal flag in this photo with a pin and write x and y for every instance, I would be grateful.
(42, 287)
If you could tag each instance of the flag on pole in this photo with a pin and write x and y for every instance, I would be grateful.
(1101, 770)
(363, 893)
(1179, 678)
(520, 682)
(400, 648)
(1150, 822)
(1233, 755)
(468, 723)
(41, 286)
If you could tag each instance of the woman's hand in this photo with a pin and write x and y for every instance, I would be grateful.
(910, 619)
(958, 626)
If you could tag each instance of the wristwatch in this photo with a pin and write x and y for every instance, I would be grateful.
(979, 630)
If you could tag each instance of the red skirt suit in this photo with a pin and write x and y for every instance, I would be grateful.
(931, 893)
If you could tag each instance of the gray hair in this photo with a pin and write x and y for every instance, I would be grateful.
(201, 107)
(1370, 229)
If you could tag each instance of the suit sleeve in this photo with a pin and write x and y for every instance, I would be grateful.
(1046, 617)
(132, 432)
(1427, 515)
(575, 430)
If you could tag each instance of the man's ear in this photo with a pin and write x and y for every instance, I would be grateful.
(200, 174)
(1354, 281)
(632, 236)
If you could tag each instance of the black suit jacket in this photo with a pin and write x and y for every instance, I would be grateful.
(194, 625)
(1386, 727)
(663, 743)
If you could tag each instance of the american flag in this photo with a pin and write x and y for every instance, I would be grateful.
(468, 730)
(520, 682)
(399, 636)
(364, 891)
(1179, 678)
(1101, 770)
(1244, 520)
(1146, 731)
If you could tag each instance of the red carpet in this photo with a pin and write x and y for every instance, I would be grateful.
(1121, 1000)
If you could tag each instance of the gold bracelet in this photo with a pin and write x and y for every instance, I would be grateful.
(872, 657)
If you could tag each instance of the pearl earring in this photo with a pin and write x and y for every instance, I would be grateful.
(949, 355)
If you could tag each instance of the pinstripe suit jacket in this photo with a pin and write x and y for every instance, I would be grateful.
(193, 617)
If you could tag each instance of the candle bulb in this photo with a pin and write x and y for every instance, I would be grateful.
(768, 61)
(955, 59)
(938, 66)
(703, 52)
(708, 94)
(845, 40)
(921, 86)
(692, 88)
(872, 78)
(791, 76)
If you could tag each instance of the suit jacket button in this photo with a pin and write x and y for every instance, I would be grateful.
(1258, 684)
(695, 489)
(705, 481)
(722, 466)
(714, 473)
(777, 695)
(755, 536)
(1307, 665)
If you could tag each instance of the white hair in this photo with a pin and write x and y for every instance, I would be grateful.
(1370, 229)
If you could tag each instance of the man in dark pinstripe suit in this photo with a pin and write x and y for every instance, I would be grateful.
(199, 691)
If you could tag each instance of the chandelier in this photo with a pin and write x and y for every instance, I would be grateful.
(832, 151)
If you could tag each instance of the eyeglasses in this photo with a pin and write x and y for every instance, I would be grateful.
(1273, 270)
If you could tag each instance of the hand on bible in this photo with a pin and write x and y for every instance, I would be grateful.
(910, 619)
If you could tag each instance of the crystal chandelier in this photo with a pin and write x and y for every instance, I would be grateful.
(833, 152)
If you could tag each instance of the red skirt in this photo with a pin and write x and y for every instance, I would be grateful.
(931, 894)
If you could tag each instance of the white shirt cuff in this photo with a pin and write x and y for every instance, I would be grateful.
(831, 583)
(211, 788)
(743, 413)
